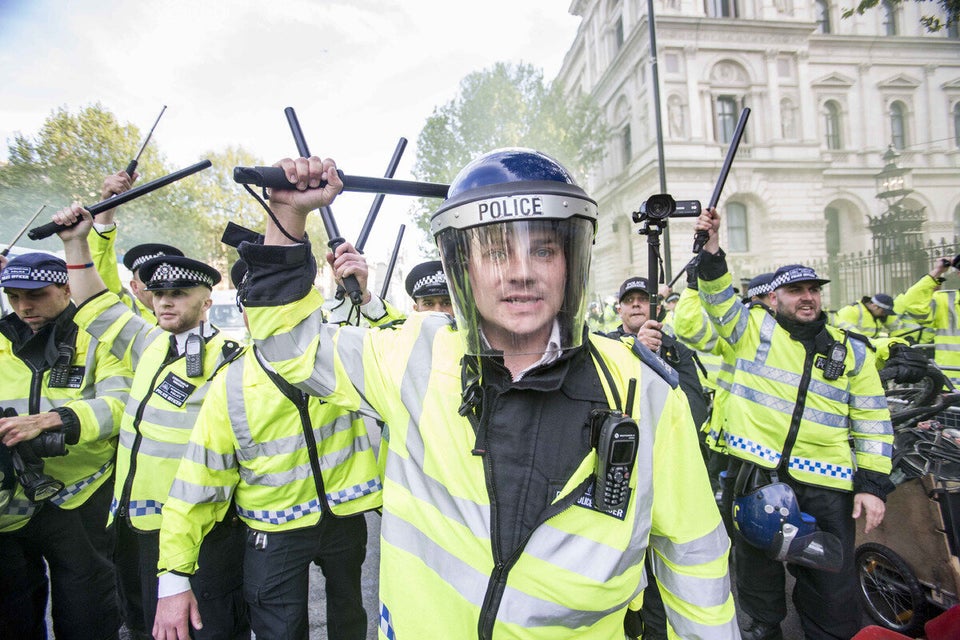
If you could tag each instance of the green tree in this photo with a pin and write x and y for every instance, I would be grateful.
(68, 159)
(507, 106)
(933, 23)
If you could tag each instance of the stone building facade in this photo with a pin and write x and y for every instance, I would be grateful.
(828, 97)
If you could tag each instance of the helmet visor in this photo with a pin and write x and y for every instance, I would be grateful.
(518, 288)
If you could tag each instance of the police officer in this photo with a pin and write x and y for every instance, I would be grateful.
(802, 392)
(63, 393)
(634, 311)
(301, 472)
(759, 291)
(173, 362)
(490, 465)
(427, 285)
(104, 255)
(871, 316)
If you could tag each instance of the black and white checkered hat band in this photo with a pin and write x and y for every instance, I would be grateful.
(759, 290)
(172, 273)
(139, 261)
(433, 284)
(800, 274)
(19, 273)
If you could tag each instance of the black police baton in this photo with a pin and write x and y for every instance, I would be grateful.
(47, 230)
(275, 178)
(136, 159)
(22, 231)
(375, 209)
(350, 283)
(393, 263)
(701, 237)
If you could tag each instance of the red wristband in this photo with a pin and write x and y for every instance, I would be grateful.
(80, 266)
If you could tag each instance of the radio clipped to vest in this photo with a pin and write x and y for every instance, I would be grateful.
(616, 438)
(831, 359)
(60, 371)
(193, 353)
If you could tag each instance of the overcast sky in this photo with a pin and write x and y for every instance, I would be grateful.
(359, 73)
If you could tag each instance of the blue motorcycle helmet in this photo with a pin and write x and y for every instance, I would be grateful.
(515, 236)
(768, 517)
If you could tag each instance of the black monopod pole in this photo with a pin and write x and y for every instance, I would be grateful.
(378, 199)
(47, 230)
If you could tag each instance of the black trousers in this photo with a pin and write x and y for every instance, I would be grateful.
(217, 584)
(276, 579)
(82, 584)
(826, 602)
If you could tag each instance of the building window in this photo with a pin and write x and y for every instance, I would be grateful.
(956, 222)
(626, 145)
(726, 118)
(889, 18)
(720, 8)
(822, 10)
(737, 239)
(618, 33)
(956, 124)
(833, 231)
(898, 126)
(831, 117)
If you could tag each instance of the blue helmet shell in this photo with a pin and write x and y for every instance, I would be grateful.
(513, 164)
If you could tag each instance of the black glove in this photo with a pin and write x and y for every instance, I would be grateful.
(691, 270)
(905, 365)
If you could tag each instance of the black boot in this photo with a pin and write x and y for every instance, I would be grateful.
(756, 630)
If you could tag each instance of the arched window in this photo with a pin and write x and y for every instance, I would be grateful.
(956, 124)
(898, 126)
(737, 238)
(833, 230)
(822, 10)
(626, 145)
(889, 18)
(720, 8)
(831, 125)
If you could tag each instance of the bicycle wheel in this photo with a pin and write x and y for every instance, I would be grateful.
(903, 397)
(889, 591)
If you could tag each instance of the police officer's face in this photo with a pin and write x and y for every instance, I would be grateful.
(39, 307)
(518, 277)
(433, 303)
(634, 310)
(799, 301)
(180, 310)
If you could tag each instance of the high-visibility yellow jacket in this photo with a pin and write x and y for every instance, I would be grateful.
(285, 459)
(161, 409)
(104, 255)
(939, 311)
(577, 571)
(915, 327)
(857, 318)
(94, 390)
(261, 442)
(777, 395)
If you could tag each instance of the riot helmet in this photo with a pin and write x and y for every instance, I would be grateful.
(515, 236)
(768, 517)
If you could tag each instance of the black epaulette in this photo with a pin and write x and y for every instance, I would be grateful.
(655, 362)
(862, 338)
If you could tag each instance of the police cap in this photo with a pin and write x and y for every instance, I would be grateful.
(136, 256)
(34, 271)
(427, 279)
(633, 284)
(177, 272)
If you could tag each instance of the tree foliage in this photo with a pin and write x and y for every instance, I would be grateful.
(507, 106)
(933, 23)
(68, 159)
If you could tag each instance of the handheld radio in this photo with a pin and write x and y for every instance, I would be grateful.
(617, 439)
(193, 352)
